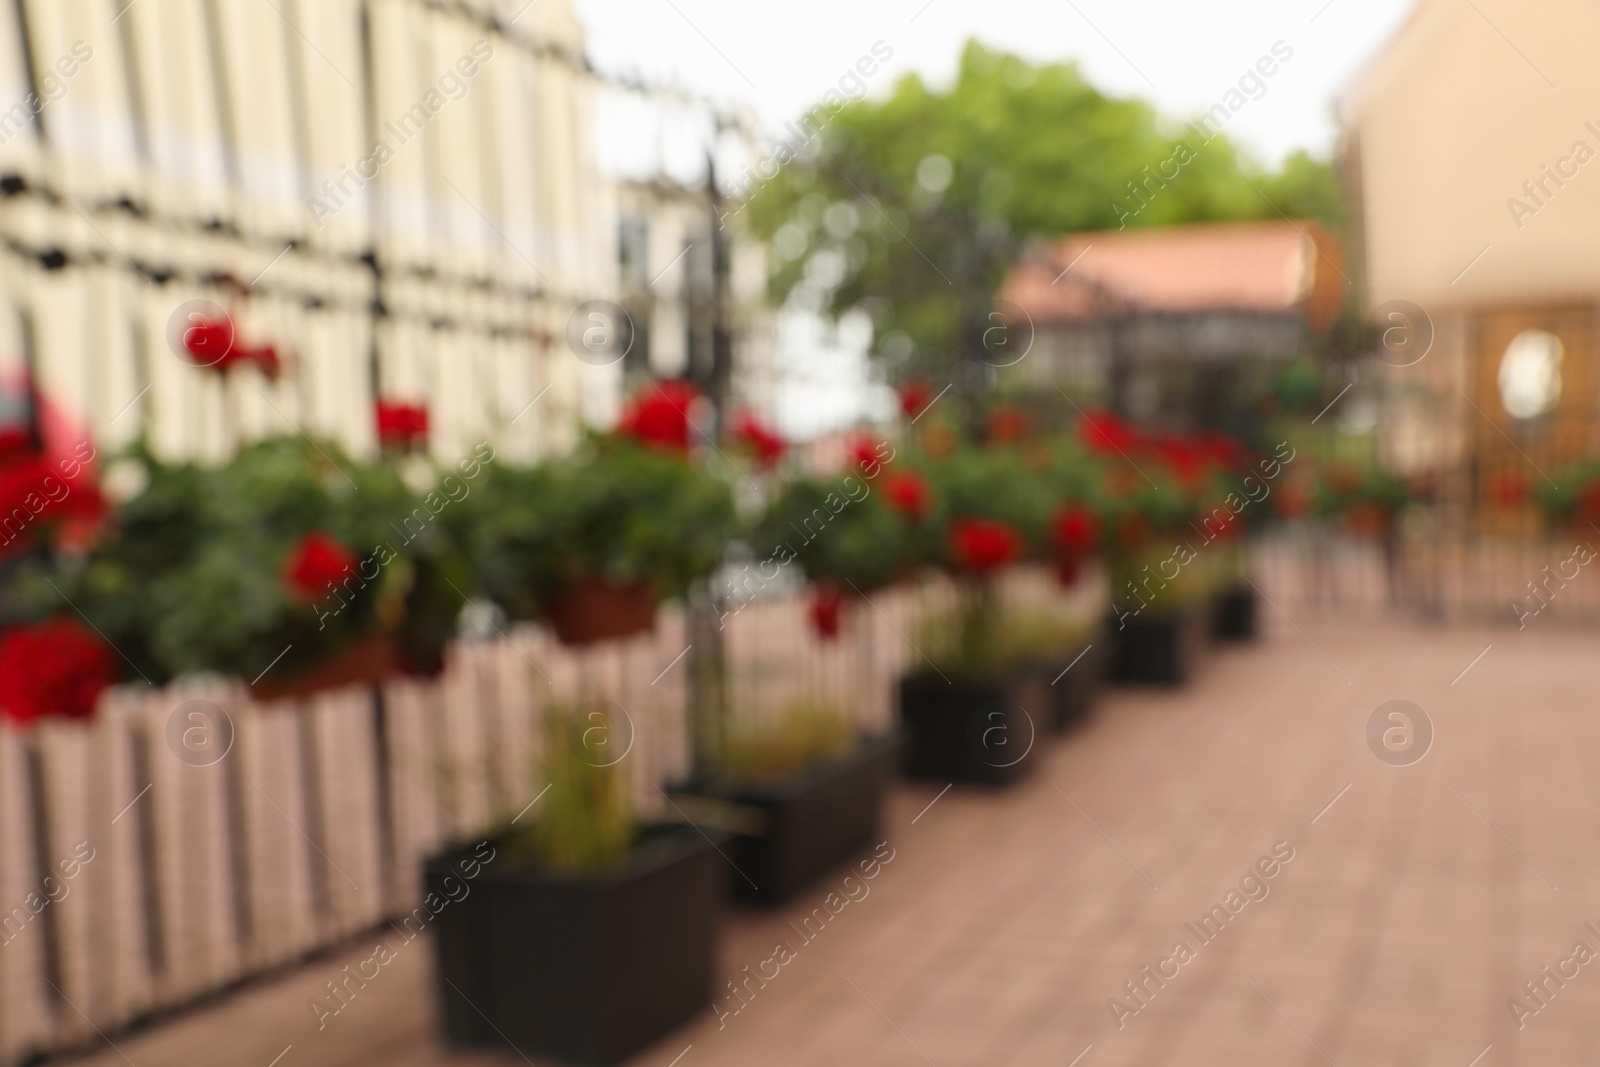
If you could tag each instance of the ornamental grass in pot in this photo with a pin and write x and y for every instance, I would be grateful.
(585, 935)
(801, 791)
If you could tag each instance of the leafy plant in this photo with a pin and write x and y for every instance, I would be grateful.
(617, 511)
(285, 558)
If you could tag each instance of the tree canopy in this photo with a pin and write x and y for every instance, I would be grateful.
(912, 208)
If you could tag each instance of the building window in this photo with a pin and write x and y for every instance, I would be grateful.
(1530, 374)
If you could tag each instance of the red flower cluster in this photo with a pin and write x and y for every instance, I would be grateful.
(57, 667)
(864, 456)
(915, 396)
(1104, 433)
(983, 546)
(908, 494)
(1190, 458)
(215, 345)
(35, 490)
(825, 612)
(765, 442)
(317, 562)
(659, 416)
(401, 425)
(1075, 529)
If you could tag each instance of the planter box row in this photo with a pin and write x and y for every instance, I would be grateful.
(590, 970)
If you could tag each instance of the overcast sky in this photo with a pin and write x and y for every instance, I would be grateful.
(1181, 54)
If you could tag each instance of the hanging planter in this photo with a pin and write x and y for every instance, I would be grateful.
(589, 610)
(591, 542)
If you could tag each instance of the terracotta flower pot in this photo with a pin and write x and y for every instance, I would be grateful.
(368, 660)
(590, 610)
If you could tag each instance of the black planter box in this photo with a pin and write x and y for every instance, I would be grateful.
(969, 730)
(808, 825)
(582, 970)
(1233, 614)
(1159, 649)
(1072, 693)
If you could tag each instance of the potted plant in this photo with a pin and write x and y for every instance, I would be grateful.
(593, 541)
(579, 935)
(1159, 595)
(801, 792)
(964, 709)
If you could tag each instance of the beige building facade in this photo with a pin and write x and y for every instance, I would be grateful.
(399, 196)
(1472, 143)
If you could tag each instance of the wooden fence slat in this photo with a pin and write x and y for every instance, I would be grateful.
(24, 1008)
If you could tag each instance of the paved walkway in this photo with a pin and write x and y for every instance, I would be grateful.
(1417, 901)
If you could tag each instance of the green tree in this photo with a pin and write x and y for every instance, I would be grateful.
(912, 208)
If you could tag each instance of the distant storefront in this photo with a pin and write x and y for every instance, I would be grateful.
(1176, 326)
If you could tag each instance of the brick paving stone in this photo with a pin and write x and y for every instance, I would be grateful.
(1416, 903)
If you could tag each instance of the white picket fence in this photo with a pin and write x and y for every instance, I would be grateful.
(314, 825)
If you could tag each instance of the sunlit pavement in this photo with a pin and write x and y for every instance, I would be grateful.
(1418, 901)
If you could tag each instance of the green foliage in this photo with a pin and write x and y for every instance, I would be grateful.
(806, 734)
(584, 825)
(190, 576)
(1002, 484)
(615, 511)
(1574, 494)
(842, 532)
(913, 207)
(1345, 485)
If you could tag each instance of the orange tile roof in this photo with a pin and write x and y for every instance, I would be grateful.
(1254, 266)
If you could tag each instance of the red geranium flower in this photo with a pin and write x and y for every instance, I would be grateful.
(864, 456)
(764, 441)
(209, 341)
(57, 667)
(1075, 530)
(1103, 432)
(1508, 489)
(908, 494)
(401, 425)
(824, 614)
(1184, 458)
(35, 492)
(659, 416)
(317, 562)
(915, 396)
(1008, 424)
(983, 546)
